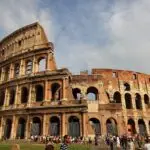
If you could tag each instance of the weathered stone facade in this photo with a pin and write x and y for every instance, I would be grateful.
(36, 98)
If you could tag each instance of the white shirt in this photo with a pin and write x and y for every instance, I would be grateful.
(147, 146)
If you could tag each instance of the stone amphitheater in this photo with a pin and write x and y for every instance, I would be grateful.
(37, 98)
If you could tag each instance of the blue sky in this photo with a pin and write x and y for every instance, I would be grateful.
(87, 33)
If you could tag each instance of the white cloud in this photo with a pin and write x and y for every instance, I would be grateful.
(17, 13)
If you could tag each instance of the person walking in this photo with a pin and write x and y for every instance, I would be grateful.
(64, 145)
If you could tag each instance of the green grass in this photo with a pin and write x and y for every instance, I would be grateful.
(41, 147)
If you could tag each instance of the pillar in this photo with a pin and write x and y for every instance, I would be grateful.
(2, 126)
(2, 74)
(147, 126)
(48, 61)
(63, 124)
(13, 128)
(64, 88)
(6, 100)
(11, 71)
(47, 91)
(84, 124)
(45, 124)
(136, 125)
(18, 95)
(34, 70)
(22, 68)
(143, 103)
(27, 129)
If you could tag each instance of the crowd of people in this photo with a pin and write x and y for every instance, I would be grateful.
(123, 142)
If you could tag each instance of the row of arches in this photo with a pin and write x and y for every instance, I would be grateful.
(40, 66)
(39, 94)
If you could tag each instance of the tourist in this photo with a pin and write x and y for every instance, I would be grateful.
(131, 144)
(49, 147)
(64, 145)
(147, 144)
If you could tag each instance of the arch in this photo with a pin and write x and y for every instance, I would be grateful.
(127, 86)
(92, 93)
(54, 126)
(95, 125)
(138, 101)
(16, 70)
(2, 97)
(131, 127)
(76, 93)
(39, 93)
(12, 96)
(128, 101)
(117, 97)
(24, 95)
(21, 128)
(36, 126)
(146, 100)
(74, 126)
(55, 89)
(41, 64)
(8, 128)
(111, 126)
(142, 127)
(29, 65)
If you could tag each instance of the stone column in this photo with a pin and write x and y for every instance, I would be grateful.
(22, 68)
(136, 125)
(31, 95)
(27, 131)
(143, 104)
(2, 74)
(6, 100)
(84, 124)
(11, 71)
(45, 124)
(64, 88)
(14, 127)
(47, 91)
(63, 124)
(34, 68)
(133, 101)
(2, 126)
(147, 126)
(48, 62)
(18, 95)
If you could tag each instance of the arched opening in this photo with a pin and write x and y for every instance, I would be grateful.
(76, 93)
(41, 64)
(138, 101)
(39, 93)
(7, 72)
(2, 97)
(54, 126)
(12, 96)
(127, 87)
(36, 126)
(111, 126)
(92, 93)
(146, 100)
(21, 128)
(24, 95)
(95, 126)
(128, 101)
(74, 126)
(55, 89)
(7, 131)
(142, 127)
(29, 67)
(131, 127)
(16, 70)
(117, 97)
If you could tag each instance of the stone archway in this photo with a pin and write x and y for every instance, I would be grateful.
(8, 128)
(131, 127)
(21, 128)
(54, 126)
(95, 127)
(74, 126)
(111, 126)
(142, 127)
(36, 126)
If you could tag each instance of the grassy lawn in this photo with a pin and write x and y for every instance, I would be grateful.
(41, 147)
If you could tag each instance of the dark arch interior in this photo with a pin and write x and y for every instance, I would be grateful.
(138, 101)
(21, 128)
(76, 93)
(74, 126)
(111, 126)
(12, 96)
(126, 87)
(2, 97)
(128, 101)
(39, 93)
(54, 126)
(24, 95)
(142, 127)
(42, 64)
(7, 131)
(132, 126)
(117, 97)
(146, 99)
(95, 123)
(36, 126)
(55, 88)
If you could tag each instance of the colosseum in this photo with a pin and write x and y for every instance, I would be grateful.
(37, 98)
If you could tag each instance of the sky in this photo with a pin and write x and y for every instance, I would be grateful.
(87, 34)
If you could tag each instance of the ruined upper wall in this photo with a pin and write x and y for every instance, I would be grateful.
(24, 39)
